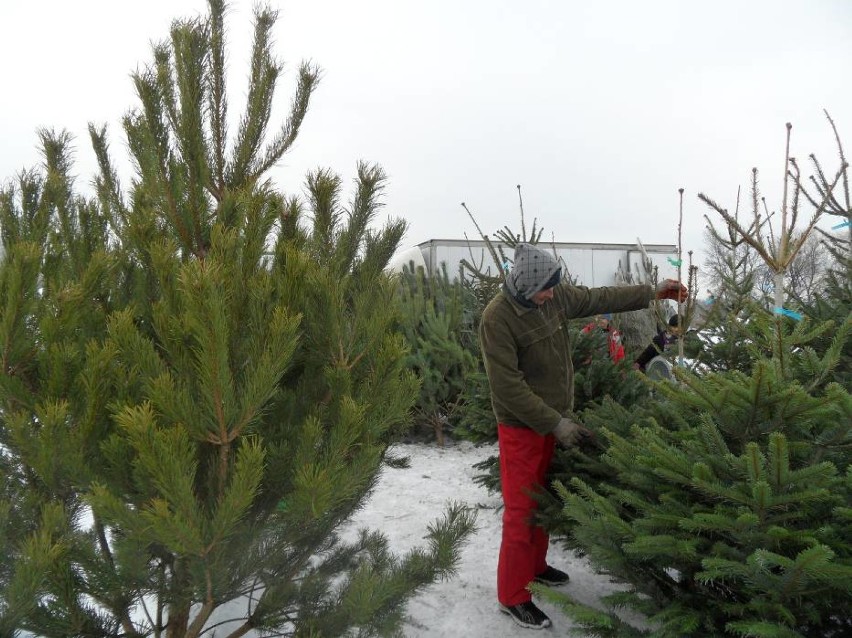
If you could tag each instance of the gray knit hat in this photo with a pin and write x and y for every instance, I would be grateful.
(534, 270)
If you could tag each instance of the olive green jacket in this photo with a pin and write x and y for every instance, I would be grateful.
(526, 350)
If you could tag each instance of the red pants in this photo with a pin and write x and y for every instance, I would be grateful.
(524, 458)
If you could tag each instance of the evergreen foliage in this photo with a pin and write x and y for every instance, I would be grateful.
(735, 300)
(475, 420)
(439, 321)
(741, 295)
(200, 377)
(726, 511)
(475, 416)
(599, 385)
(596, 376)
(442, 346)
(835, 304)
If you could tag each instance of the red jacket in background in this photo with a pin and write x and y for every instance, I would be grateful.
(613, 340)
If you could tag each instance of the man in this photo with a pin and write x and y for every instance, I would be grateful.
(613, 336)
(525, 349)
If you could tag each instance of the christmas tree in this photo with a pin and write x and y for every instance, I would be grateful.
(727, 508)
(201, 377)
(835, 304)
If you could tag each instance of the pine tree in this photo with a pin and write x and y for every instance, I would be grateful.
(201, 377)
(442, 351)
(56, 291)
(475, 418)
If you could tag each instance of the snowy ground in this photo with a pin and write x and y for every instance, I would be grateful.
(404, 502)
(466, 605)
(407, 500)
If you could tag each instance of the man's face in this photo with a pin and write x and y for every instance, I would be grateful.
(542, 296)
(603, 323)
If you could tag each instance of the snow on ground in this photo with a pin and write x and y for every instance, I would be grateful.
(406, 500)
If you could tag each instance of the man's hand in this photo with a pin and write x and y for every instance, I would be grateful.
(671, 289)
(569, 433)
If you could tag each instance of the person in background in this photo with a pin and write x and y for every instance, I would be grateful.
(661, 341)
(613, 336)
(531, 379)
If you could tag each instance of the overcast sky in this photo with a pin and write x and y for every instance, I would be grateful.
(600, 110)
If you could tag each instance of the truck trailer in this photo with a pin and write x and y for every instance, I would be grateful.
(588, 264)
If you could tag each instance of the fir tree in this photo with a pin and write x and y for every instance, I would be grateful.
(598, 384)
(727, 510)
(726, 513)
(835, 304)
(596, 376)
(736, 297)
(200, 376)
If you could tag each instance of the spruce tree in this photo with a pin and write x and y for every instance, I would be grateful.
(727, 508)
(726, 512)
(834, 305)
(598, 384)
(836, 302)
(736, 296)
(200, 376)
(596, 376)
